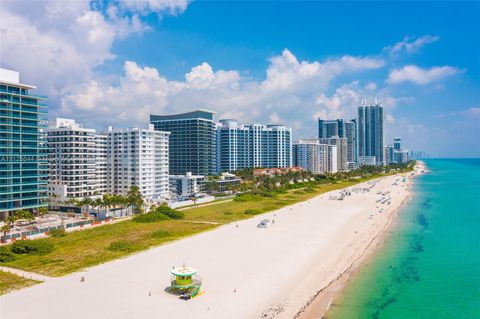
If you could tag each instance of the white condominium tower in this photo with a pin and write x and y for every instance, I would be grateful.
(315, 157)
(71, 158)
(342, 150)
(138, 157)
(101, 165)
(252, 146)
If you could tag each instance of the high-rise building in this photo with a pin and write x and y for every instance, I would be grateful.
(371, 140)
(101, 164)
(329, 128)
(192, 141)
(23, 179)
(389, 154)
(71, 159)
(252, 146)
(400, 156)
(342, 150)
(350, 133)
(397, 143)
(315, 157)
(395, 154)
(343, 129)
(138, 157)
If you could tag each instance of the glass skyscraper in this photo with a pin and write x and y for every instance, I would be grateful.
(371, 139)
(192, 144)
(23, 178)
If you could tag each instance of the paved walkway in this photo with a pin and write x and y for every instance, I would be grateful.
(26, 274)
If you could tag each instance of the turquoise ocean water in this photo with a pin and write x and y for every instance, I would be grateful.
(430, 265)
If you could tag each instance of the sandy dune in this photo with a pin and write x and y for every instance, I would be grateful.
(247, 272)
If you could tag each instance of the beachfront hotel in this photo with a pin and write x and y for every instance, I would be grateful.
(71, 160)
(371, 138)
(23, 183)
(252, 146)
(315, 157)
(192, 141)
(343, 129)
(342, 150)
(138, 157)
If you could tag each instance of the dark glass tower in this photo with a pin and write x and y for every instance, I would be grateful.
(342, 129)
(192, 144)
(371, 138)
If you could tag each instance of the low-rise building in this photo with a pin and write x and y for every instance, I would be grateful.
(187, 185)
(227, 181)
(367, 160)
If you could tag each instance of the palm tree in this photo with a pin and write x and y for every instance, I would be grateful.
(135, 199)
(42, 211)
(5, 229)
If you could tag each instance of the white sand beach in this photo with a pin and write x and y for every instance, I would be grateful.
(248, 272)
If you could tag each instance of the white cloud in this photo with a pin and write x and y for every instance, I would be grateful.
(57, 45)
(290, 90)
(344, 101)
(143, 6)
(411, 44)
(417, 75)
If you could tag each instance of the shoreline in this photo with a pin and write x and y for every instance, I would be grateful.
(318, 305)
(248, 272)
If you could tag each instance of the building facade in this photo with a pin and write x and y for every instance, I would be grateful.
(187, 185)
(342, 150)
(71, 160)
(138, 157)
(192, 146)
(252, 146)
(23, 178)
(371, 139)
(343, 129)
(315, 157)
(101, 164)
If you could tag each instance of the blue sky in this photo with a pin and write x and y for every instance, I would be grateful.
(113, 63)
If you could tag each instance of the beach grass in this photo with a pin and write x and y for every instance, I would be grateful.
(81, 249)
(10, 282)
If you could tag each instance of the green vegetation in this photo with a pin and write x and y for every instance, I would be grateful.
(6, 256)
(122, 245)
(150, 217)
(10, 282)
(58, 232)
(157, 214)
(252, 211)
(94, 246)
(31, 247)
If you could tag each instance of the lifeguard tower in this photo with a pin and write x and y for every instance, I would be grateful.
(185, 282)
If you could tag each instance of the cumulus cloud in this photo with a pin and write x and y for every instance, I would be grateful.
(59, 44)
(417, 75)
(291, 90)
(344, 101)
(411, 44)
